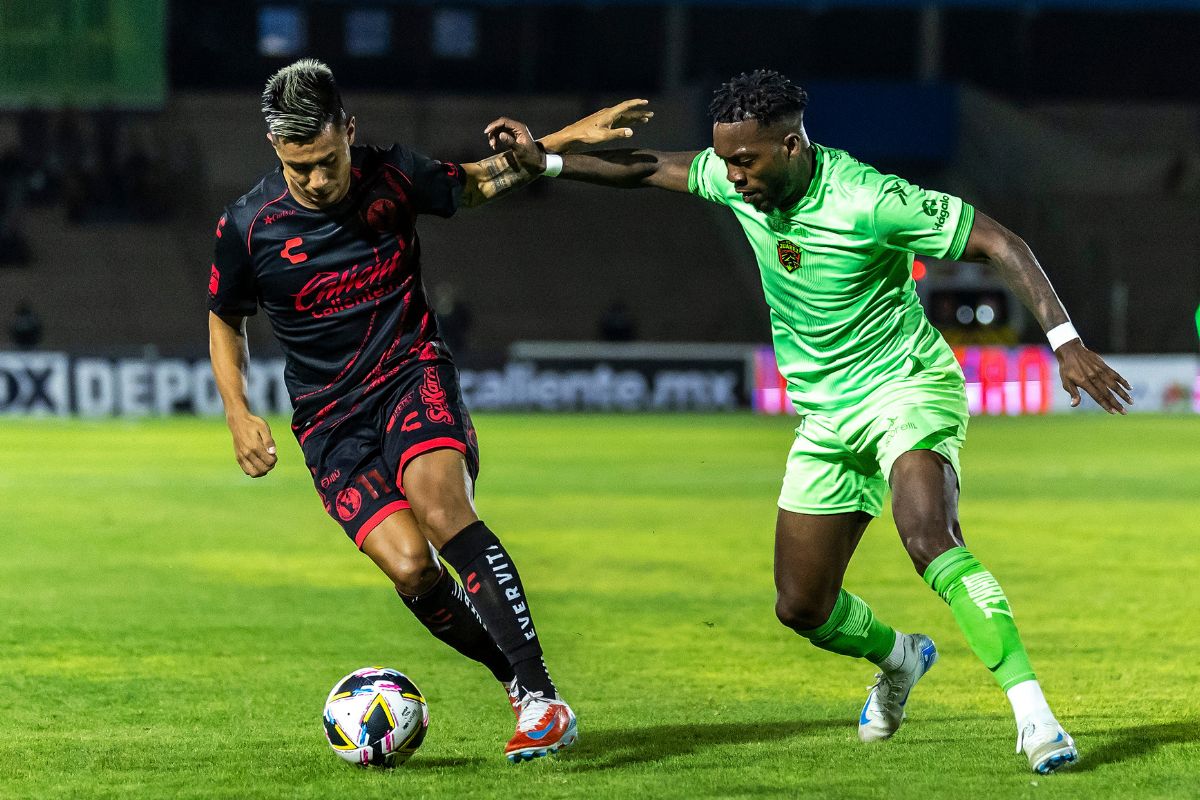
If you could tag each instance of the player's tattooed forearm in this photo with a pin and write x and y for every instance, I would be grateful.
(495, 165)
(502, 173)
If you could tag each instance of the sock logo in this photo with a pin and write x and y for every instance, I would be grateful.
(439, 622)
(986, 593)
(472, 583)
(504, 574)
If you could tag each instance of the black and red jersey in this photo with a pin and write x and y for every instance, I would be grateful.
(341, 285)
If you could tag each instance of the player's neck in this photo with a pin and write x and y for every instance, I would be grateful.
(298, 196)
(805, 169)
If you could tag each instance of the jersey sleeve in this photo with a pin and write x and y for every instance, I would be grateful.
(707, 179)
(436, 185)
(231, 288)
(922, 221)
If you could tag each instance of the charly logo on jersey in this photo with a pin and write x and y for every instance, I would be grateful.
(291, 252)
(789, 255)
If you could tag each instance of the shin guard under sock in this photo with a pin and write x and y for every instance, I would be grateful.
(983, 612)
(494, 587)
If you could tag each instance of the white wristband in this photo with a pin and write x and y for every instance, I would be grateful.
(1061, 334)
(554, 165)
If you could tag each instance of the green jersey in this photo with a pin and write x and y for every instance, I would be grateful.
(837, 274)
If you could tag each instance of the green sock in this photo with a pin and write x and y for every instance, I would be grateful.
(982, 611)
(852, 630)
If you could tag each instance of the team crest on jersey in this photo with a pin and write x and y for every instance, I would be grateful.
(789, 255)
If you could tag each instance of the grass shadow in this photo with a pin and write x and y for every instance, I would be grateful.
(607, 747)
(419, 762)
(1128, 744)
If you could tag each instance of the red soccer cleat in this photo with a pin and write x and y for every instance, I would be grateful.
(543, 727)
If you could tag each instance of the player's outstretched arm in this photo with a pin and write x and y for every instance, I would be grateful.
(621, 169)
(492, 177)
(252, 442)
(606, 125)
(499, 174)
(631, 169)
(627, 169)
(1080, 368)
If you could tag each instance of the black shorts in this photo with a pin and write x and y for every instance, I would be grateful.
(358, 464)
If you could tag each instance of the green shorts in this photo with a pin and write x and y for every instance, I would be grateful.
(841, 460)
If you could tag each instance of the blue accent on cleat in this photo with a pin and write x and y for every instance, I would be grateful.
(1046, 755)
(1056, 762)
(863, 719)
(535, 735)
(883, 712)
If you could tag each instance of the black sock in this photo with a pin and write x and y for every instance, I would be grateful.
(445, 610)
(491, 579)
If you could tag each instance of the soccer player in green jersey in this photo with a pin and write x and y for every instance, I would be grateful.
(880, 396)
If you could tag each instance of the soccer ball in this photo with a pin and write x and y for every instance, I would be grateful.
(376, 716)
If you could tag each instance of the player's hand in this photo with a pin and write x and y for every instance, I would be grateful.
(606, 125)
(252, 444)
(1080, 368)
(509, 134)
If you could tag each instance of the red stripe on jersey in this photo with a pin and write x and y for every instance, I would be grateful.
(250, 232)
(350, 363)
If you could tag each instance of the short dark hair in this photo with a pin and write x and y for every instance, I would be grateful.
(763, 95)
(301, 99)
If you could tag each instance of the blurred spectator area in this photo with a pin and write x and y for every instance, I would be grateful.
(1105, 194)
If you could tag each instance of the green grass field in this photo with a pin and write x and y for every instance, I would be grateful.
(170, 628)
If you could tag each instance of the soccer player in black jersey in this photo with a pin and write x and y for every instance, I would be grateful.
(326, 245)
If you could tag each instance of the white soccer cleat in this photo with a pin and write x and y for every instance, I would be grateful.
(1048, 747)
(883, 712)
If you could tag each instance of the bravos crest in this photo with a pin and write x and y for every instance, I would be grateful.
(789, 255)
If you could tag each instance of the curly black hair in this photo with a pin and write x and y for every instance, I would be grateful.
(764, 95)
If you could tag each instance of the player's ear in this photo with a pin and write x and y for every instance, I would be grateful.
(350, 130)
(793, 144)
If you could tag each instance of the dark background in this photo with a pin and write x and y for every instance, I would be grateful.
(1076, 124)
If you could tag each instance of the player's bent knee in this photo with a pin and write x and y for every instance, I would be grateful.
(801, 614)
(925, 549)
(413, 575)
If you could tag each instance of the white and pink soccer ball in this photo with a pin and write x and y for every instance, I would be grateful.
(376, 717)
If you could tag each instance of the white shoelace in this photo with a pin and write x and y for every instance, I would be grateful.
(893, 689)
(534, 706)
